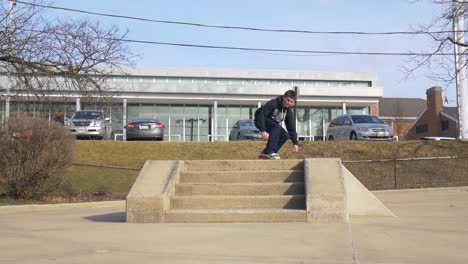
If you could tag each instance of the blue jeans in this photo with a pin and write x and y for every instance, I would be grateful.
(278, 136)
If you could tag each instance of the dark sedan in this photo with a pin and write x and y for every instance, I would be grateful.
(245, 130)
(145, 128)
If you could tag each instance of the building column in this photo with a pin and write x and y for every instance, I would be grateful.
(310, 129)
(343, 107)
(198, 124)
(6, 114)
(169, 121)
(183, 127)
(214, 133)
(226, 134)
(324, 130)
(78, 104)
(259, 104)
(124, 120)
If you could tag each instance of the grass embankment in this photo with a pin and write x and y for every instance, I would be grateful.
(97, 183)
(134, 154)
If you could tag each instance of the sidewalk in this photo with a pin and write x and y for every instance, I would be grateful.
(431, 227)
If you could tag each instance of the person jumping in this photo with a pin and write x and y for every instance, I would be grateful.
(268, 120)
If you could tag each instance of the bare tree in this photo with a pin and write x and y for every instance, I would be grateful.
(61, 57)
(440, 58)
(398, 122)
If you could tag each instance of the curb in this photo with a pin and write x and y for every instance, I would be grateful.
(434, 189)
(40, 207)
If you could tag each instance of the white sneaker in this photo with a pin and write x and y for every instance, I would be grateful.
(272, 156)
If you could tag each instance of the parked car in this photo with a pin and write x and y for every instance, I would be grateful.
(244, 130)
(90, 124)
(145, 128)
(358, 127)
(438, 138)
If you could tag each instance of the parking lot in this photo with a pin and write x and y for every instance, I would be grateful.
(430, 228)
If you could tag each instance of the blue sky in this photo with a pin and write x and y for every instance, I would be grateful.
(316, 15)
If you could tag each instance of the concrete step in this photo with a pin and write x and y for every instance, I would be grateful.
(229, 216)
(242, 176)
(238, 202)
(243, 165)
(240, 189)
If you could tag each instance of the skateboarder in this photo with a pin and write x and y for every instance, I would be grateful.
(268, 120)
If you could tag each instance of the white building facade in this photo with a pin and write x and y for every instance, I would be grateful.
(203, 104)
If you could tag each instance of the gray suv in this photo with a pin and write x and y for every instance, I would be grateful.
(90, 124)
(358, 127)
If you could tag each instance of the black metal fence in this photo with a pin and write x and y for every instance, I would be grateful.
(410, 173)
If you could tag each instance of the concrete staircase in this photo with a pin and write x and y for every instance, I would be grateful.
(239, 191)
(310, 190)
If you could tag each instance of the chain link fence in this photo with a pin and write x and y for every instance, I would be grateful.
(410, 173)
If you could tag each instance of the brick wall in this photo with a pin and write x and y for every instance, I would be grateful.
(430, 123)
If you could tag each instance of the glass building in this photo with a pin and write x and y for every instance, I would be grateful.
(204, 104)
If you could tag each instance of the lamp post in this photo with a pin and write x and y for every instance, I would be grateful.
(9, 27)
(460, 68)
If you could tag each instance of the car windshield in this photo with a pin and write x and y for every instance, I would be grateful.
(366, 119)
(247, 123)
(87, 115)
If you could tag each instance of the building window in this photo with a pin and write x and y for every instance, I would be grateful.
(444, 125)
(421, 129)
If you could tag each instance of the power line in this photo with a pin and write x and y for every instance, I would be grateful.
(293, 51)
(285, 50)
(239, 27)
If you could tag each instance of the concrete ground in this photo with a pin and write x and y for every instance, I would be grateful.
(431, 227)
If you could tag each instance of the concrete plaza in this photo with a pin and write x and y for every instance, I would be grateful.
(430, 227)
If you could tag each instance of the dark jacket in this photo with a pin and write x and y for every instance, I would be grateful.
(274, 110)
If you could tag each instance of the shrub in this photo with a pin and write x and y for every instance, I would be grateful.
(33, 156)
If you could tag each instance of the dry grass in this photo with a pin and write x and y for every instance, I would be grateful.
(134, 154)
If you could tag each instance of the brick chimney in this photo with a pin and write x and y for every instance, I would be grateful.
(434, 100)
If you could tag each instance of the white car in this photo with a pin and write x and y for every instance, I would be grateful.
(438, 138)
(358, 127)
(90, 124)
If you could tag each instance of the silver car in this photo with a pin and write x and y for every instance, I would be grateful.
(90, 124)
(358, 127)
(145, 128)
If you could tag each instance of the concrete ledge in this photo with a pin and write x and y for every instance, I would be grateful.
(243, 165)
(359, 200)
(325, 194)
(333, 194)
(148, 199)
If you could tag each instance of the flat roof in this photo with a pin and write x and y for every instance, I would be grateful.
(247, 74)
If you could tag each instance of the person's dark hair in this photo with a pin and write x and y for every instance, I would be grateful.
(291, 94)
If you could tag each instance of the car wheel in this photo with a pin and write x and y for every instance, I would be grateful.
(330, 138)
(353, 136)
